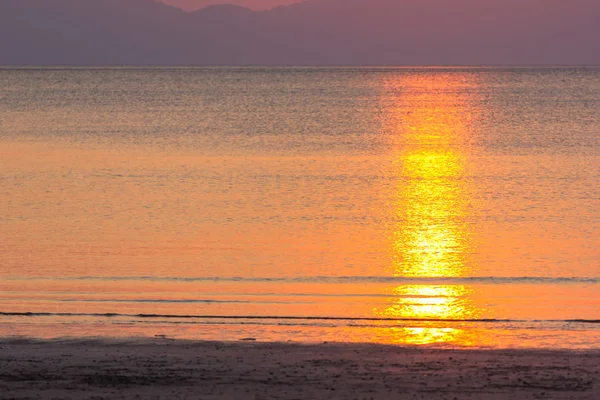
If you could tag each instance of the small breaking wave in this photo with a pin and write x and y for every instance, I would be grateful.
(288, 317)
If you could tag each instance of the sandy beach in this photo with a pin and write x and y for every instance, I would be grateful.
(164, 368)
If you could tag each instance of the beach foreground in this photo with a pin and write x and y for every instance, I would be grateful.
(164, 368)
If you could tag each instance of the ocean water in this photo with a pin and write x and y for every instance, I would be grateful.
(450, 207)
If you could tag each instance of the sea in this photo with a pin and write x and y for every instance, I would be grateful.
(435, 206)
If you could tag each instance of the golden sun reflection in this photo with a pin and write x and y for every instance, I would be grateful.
(431, 301)
(431, 237)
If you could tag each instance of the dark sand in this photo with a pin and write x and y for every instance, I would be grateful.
(162, 368)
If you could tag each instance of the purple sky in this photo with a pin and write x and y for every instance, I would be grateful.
(316, 32)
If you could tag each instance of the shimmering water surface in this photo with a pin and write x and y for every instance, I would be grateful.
(447, 207)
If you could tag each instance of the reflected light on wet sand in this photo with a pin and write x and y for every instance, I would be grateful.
(432, 237)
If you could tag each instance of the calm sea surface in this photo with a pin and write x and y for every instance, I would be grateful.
(446, 207)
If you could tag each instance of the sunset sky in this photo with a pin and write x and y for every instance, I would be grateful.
(314, 32)
(253, 4)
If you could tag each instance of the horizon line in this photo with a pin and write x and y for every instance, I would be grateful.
(290, 66)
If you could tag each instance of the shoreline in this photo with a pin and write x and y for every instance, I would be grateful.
(176, 368)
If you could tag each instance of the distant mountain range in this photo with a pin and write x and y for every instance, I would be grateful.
(315, 32)
(190, 5)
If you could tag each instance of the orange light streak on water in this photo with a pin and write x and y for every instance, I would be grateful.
(432, 236)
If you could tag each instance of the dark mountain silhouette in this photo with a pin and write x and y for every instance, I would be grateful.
(315, 32)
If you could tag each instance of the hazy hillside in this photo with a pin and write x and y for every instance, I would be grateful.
(142, 32)
(191, 5)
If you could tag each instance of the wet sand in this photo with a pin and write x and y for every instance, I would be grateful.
(164, 368)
